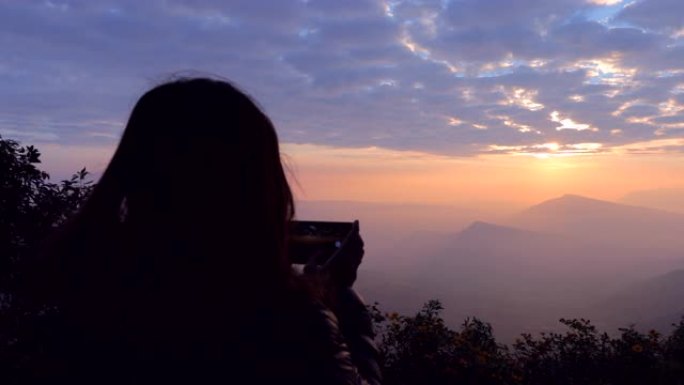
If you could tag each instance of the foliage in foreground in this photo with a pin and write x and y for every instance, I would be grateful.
(30, 205)
(422, 350)
(30, 208)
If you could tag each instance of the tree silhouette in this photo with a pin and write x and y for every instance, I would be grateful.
(422, 350)
(30, 205)
(30, 208)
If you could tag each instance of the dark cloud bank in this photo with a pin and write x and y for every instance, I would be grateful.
(449, 77)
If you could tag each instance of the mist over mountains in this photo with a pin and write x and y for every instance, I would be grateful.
(522, 270)
(670, 199)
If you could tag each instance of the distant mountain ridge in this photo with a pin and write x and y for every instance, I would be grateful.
(570, 202)
(556, 259)
(604, 222)
(653, 303)
(486, 231)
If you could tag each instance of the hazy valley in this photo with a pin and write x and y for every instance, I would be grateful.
(522, 268)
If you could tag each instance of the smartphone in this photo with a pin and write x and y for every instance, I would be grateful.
(317, 239)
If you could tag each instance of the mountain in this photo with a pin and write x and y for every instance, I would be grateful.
(653, 303)
(506, 259)
(600, 221)
(479, 231)
(557, 259)
(517, 279)
(511, 245)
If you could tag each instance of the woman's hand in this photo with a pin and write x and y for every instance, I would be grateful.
(341, 268)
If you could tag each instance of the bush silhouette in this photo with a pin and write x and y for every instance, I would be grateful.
(421, 350)
(31, 206)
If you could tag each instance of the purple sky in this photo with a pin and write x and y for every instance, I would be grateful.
(445, 77)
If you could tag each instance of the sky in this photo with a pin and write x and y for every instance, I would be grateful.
(403, 101)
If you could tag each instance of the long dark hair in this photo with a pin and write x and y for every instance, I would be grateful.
(196, 186)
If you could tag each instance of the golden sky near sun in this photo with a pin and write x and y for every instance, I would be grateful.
(373, 174)
(380, 175)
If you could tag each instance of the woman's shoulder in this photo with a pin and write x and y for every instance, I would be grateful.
(314, 336)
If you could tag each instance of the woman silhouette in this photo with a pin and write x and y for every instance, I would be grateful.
(176, 268)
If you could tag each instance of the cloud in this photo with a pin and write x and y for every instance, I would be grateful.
(442, 77)
(604, 2)
(569, 124)
(548, 150)
(658, 15)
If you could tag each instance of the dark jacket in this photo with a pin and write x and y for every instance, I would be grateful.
(292, 340)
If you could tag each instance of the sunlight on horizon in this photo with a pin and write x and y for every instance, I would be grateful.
(374, 174)
(525, 175)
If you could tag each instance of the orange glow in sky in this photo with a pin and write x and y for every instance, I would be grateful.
(374, 174)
